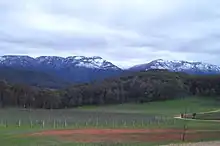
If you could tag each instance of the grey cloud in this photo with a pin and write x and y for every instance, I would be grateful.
(57, 42)
(208, 44)
(118, 30)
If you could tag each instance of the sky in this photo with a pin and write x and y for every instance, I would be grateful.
(125, 32)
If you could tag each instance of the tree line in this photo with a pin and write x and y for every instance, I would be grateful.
(139, 87)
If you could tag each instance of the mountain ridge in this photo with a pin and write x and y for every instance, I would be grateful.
(73, 69)
(178, 66)
(80, 61)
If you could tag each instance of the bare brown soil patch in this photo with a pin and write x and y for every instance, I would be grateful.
(126, 135)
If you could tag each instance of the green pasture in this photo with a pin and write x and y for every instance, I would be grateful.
(164, 108)
(15, 123)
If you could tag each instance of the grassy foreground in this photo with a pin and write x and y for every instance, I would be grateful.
(16, 122)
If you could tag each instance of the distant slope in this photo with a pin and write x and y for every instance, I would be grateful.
(179, 66)
(76, 69)
(29, 77)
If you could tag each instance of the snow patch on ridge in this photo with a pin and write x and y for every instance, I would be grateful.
(95, 62)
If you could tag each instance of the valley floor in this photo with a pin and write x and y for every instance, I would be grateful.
(124, 123)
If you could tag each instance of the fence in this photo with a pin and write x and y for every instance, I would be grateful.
(92, 122)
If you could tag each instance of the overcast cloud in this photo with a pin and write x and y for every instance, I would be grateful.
(125, 32)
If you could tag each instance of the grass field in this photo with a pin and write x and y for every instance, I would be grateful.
(17, 124)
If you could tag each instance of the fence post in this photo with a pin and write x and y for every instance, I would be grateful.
(97, 122)
(133, 123)
(19, 123)
(125, 124)
(31, 123)
(65, 123)
(184, 132)
(54, 124)
(43, 124)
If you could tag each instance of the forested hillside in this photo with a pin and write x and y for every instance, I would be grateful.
(140, 87)
(32, 78)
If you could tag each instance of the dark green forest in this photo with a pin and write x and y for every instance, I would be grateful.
(138, 87)
(32, 78)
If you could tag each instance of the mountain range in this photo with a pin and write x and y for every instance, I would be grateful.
(179, 66)
(55, 72)
(56, 62)
(74, 69)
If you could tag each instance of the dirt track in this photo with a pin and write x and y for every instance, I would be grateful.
(124, 135)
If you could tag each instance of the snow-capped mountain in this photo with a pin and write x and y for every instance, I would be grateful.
(23, 61)
(78, 69)
(57, 62)
(71, 69)
(179, 66)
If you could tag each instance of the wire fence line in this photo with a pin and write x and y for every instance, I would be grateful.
(91, 122)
